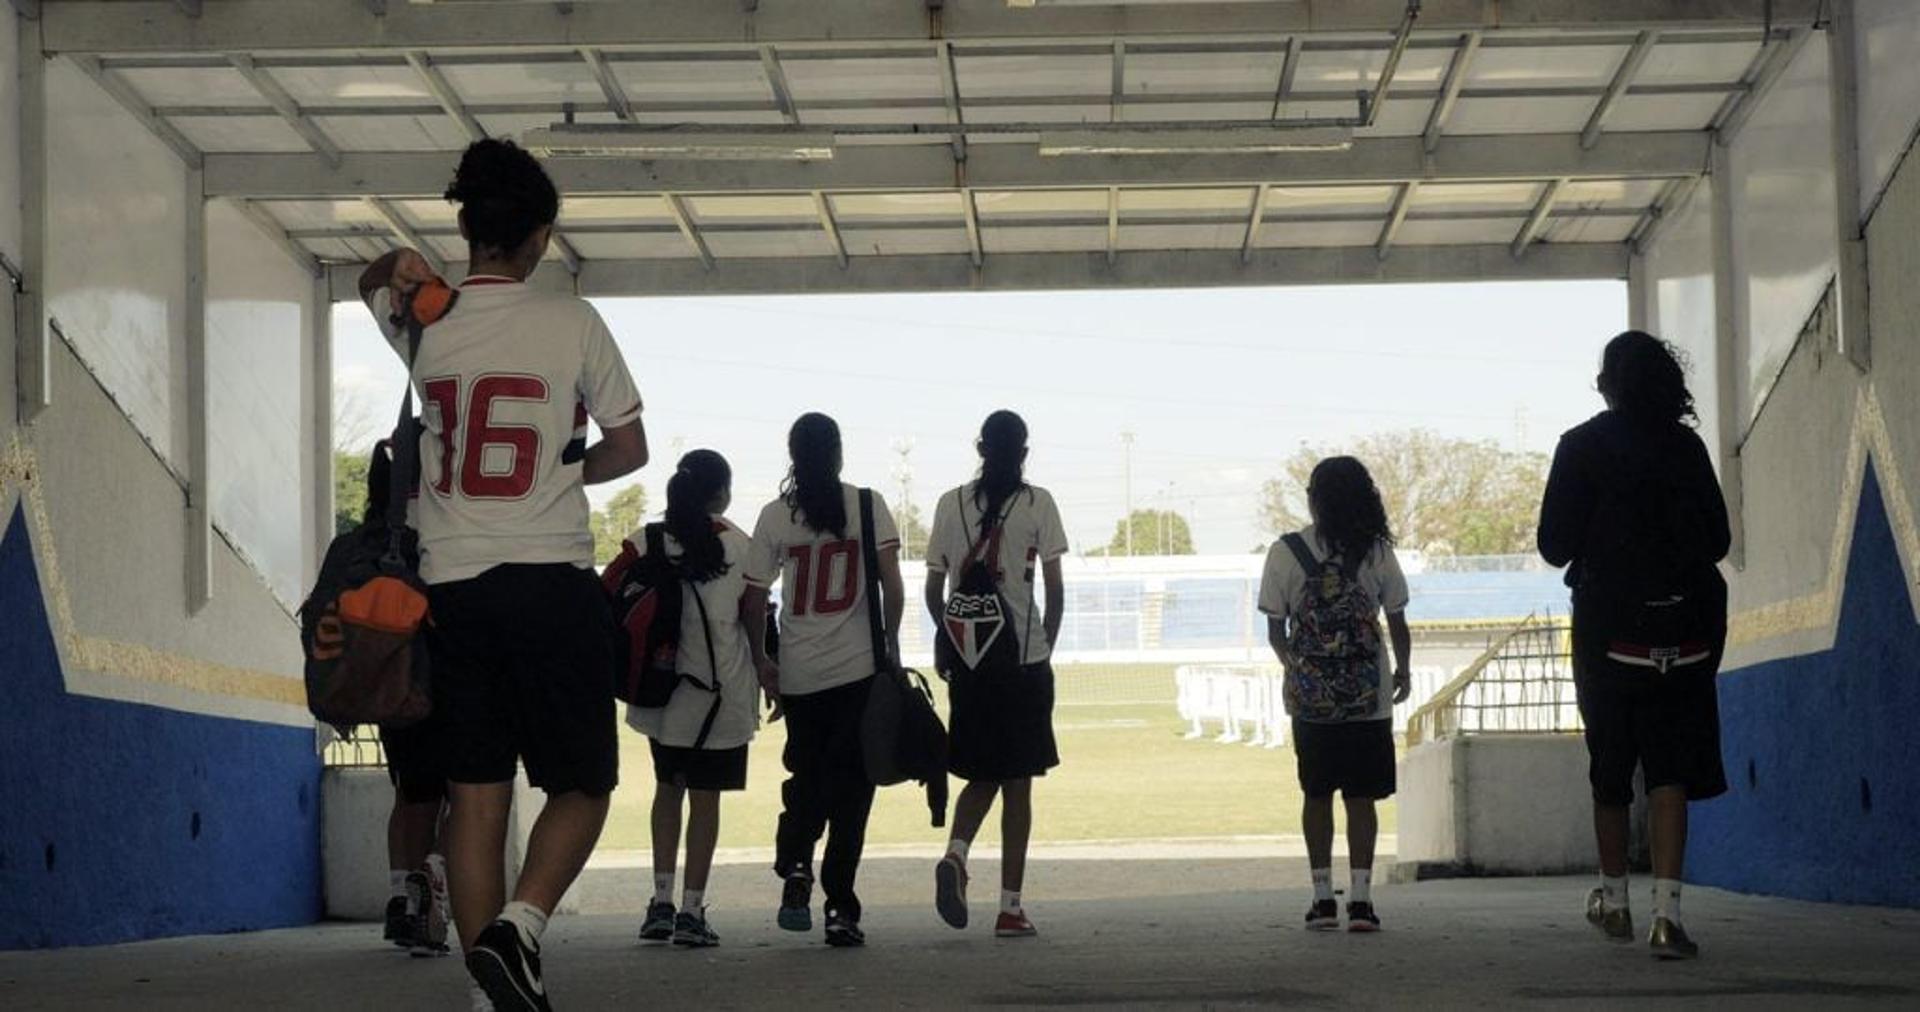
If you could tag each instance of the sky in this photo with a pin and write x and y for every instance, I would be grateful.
(1217, 386)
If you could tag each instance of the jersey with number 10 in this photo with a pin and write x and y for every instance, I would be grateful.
(826, 637)
(507, 381)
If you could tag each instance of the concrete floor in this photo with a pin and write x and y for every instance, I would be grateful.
(1146, 931)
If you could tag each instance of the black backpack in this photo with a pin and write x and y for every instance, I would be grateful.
(976, 634)
(901, 735)
(647, 593)
(1643, 596)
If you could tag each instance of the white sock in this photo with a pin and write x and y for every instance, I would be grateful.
(1666, 899)
(529, 919)
(1009, 901)
(477, 999)
(397, 880)
(1322, 884)
(663, 887)
(1613, 891)
(1362, 890)
(694, 901)
(957, 847)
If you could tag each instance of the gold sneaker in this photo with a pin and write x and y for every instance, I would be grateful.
(1616, 924)
(1669, 941)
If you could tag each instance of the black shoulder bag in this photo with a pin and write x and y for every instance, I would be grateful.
(901, 735)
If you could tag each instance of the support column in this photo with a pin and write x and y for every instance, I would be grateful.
(33, 369)
(317, 426)
(1850, 287)
(199, 554)
(1729, 292)
(1642, 296)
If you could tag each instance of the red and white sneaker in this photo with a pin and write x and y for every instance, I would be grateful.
(1014, 925)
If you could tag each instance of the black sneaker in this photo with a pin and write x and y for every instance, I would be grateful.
(399, 928)
(844, 932)
(1361, 918)
(658, 926)
(691, 931)
(796, 901)
(508, 970)
(1324, 915)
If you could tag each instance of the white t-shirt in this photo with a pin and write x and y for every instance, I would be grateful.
(506, 383)
(1030, 536)
(678, 723)
(1283, 587)
(826, 637)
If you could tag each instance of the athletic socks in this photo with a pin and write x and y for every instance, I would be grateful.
(1613, 891)
(528, 920)
(957, 847)
(663, 887)
(1009, 901)
(397, 881)
(1666, 899)
(1322, 884)
(1362, 891)
(694, 901)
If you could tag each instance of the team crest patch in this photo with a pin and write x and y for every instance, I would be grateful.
(974, 622)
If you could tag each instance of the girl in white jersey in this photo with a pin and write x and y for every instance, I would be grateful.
(521, 638)
(995, 651)
(700, 737)
(811, 540)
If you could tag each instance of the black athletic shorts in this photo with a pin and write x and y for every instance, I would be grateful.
(1354, 758)
(523, 671)
(700, 769)
(414, 761)
(1002, 725)
(1668, 725)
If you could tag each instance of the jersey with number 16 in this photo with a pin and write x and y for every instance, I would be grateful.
(507, 381)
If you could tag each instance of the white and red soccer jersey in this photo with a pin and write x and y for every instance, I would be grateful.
(1031, 535)
(826, 636)
(506, 383)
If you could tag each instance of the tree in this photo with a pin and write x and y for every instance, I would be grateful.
(349, 490)
(1456, 495)
(623, 515)
(1155, 532)
(914, 534)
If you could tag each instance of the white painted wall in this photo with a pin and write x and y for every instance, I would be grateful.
(1887, 34)
(116, 201)
(10, 200)
(1680, 269)
(1497, 804)
(258, 304)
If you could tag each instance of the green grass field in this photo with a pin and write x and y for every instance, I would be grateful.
(1126, 773)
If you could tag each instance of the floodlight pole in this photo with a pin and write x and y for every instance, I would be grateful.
(1126, 440)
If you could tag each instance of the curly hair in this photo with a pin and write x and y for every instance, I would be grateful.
(1646, 379)
(504, 196)
(1347, 510)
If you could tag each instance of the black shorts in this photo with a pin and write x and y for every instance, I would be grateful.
(1354, 758)
(1001, 726)
(414, 761)
(700, 769)
(523, 671)
(1668, 725)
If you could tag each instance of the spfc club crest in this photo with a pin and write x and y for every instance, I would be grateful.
(973, 622)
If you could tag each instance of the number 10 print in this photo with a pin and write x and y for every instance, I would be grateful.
(826, 577)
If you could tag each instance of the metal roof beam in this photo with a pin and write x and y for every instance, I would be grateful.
(1069, 271)
(1768, 69)
(777, 81)
(684, 220)
(1450, 90)
(1377, 99)
(1542, 210)
(131, 101)
(1255, 219)
(617, 101)
(1119, 93)
(1113, 224)
(569, 257)
(1657, 155)
(270, 227)
(405, 233)
(1395, 218)
(1617, 89)
(103, 26)
(976, 249)
(1283, 91)
(262, 81)
(442, 91)
(825, 212)
(956, 110)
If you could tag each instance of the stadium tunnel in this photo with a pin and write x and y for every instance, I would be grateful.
(198, 183)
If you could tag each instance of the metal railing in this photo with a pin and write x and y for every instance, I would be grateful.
(1521, 684)
(360, 749)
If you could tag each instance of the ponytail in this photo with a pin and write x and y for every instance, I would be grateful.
(702, 477)
(1003, 461)
(812, 490)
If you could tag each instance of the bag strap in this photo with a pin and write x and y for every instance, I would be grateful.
(405, 475)
(713, 664)
(986, 537)
(870, 556)
(1298, 546)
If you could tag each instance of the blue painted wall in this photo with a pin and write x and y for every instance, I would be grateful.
(1823, 751)
(120, 821)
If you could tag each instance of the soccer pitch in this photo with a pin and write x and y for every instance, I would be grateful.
(1127, 772)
